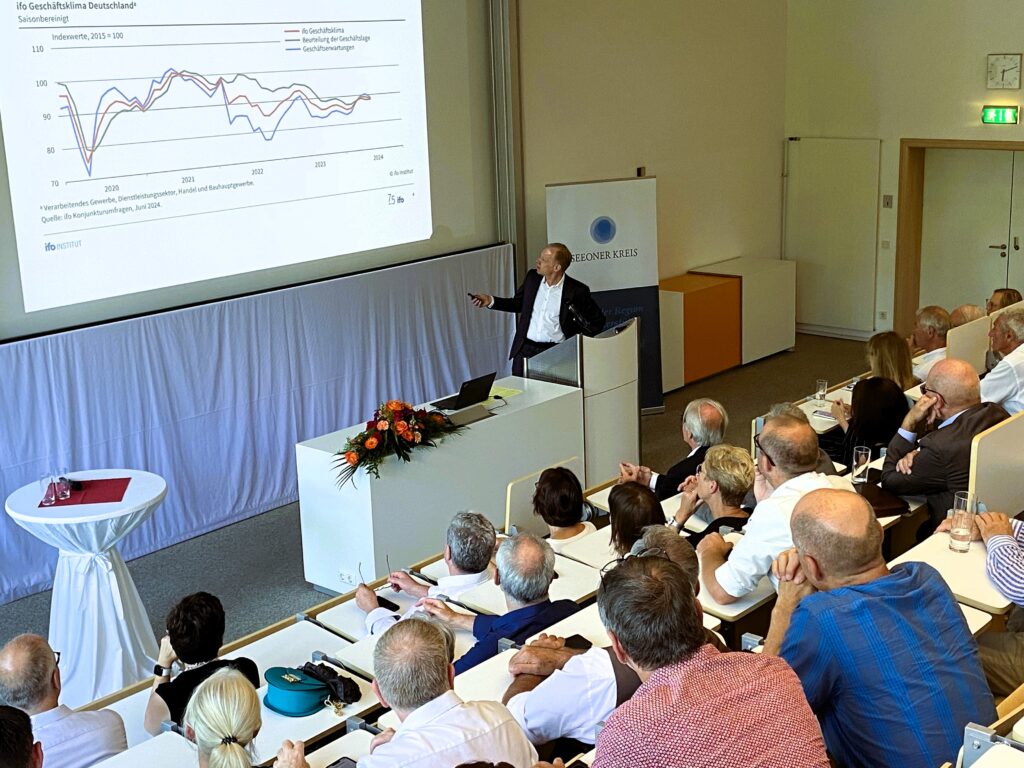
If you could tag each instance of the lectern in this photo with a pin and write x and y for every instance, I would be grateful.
(607, 368)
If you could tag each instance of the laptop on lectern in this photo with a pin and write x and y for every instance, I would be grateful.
(470, 393)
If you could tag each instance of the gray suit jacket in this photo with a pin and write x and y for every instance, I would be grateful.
(943, 466)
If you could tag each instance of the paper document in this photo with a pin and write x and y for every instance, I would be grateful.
(505, 392)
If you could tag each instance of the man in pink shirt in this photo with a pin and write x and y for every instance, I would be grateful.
(696, 707)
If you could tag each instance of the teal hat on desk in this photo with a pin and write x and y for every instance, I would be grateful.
(293, 693)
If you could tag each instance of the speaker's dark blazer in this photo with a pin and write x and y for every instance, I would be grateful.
(574, 294)
(944, 464)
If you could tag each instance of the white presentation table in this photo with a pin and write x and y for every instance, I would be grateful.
(963, 572)
(291, 646)
(168, 750)
(349, 619)
(405, 512)
(355, 745)
(97, 619)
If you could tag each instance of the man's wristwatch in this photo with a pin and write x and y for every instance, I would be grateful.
(160, 671)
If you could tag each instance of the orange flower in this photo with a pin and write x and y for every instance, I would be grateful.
(352, 458)
(370, 443)
(416, 436)
(401, 427)
(383, 425)
(395, 405)
(407, 435)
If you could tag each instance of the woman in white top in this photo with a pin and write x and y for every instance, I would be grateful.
(558, 500)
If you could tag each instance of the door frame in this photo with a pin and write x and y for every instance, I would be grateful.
(910, 217)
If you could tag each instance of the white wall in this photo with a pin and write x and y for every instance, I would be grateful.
(693, 90)
(892, 70)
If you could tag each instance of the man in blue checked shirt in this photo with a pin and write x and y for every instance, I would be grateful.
(884, 656)
(1002, 653)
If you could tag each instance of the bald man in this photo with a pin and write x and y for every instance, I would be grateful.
(30, 681)
(787, 458)
(885, 657)
(936, 464)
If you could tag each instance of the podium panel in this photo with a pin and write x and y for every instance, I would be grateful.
(401, 518)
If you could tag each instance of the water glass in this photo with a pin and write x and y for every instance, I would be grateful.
(48, 488)
(820, 390)
(63, 484)
(861, 459)
(962, 525)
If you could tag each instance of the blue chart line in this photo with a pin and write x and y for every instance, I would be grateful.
(114, 102)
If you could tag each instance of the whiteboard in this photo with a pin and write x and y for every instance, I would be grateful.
(831, 229)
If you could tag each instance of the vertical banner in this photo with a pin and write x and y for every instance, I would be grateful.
(611, 227)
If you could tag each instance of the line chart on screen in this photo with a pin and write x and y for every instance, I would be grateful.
(155, 145)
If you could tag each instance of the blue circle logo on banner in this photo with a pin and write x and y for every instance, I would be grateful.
(602, 230)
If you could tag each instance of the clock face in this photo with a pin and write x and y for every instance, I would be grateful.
(1004, 70)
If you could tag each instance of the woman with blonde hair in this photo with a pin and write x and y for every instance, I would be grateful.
(889, 357)
(722, 482)
(223, 717)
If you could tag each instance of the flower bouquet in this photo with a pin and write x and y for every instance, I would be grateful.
(396, 428)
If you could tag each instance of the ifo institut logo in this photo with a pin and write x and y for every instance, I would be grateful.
(602, 230)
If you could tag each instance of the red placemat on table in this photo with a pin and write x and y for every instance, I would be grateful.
(95, 492)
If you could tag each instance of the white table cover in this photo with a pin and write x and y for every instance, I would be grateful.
(97, 620)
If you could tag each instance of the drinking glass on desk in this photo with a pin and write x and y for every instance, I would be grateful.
(63, 484)
(962, 525)
(820, 390)
(48, 487)
(861, 459)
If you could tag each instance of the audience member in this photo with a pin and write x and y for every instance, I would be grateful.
(195, 633)
(558, 499)
(695, 707)
(885, 657)
(937, 464)
(1002, 653)
(525, 570)
(1004, 384)
(876, 411)
(703, 424)
(222, 719)
(929, 335)
(18, 748)
(1002, 298)
(414, 676)
(964, 314)
(631, 508)
(30, 680)
(785, 471)
(468, 549)
(721, 483)
(563, 693)
(889, 357)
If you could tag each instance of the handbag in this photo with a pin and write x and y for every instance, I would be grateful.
(293, 693)
(885, 503)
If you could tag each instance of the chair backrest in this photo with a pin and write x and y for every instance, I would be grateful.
(997, 464)
(519, 517)
(969, 342)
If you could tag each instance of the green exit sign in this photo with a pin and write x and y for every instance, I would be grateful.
(1000, 115)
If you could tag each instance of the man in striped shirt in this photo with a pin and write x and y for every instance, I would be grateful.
(1002, 653)
(885, 657)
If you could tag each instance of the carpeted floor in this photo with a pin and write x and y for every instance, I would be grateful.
(255, 566)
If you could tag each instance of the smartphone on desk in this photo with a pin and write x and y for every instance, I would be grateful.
(343, 762)
(578, 643)
(390, 605)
